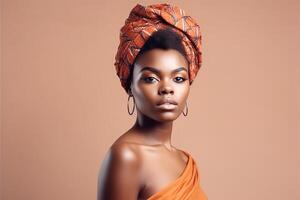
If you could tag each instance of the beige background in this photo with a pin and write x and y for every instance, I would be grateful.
(62, 104)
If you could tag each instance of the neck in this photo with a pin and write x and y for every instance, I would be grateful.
(158, 132)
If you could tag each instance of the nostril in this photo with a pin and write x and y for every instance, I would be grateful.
(166, 90)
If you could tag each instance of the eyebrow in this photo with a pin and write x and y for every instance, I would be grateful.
(157, 71)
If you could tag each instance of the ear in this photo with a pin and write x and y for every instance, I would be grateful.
(129, 92)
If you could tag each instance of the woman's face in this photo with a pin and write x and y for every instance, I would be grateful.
(160, 77)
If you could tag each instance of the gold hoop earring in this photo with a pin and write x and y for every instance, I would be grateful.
(130, 113)
(187, 109)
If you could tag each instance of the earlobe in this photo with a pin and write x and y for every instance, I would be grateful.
(129, 91)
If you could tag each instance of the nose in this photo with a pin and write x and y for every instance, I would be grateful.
(166, 89)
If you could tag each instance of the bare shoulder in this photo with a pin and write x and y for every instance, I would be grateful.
(184, 154)
(124, 152)
(119, 174)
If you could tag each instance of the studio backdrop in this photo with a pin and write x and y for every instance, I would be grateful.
(62, 104)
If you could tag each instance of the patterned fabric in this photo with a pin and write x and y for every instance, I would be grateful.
(142, 22)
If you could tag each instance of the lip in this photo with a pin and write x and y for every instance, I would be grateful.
(167, 106)
(167, 101)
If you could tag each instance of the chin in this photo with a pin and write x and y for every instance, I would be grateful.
(166, 116)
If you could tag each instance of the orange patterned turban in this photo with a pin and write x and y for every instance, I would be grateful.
(142, 22)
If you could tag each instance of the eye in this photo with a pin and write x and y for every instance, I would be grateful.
(149, 79)
(179, 79)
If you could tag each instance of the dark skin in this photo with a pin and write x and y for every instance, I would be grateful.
(143, 160)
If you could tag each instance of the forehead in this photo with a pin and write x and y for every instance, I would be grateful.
(163, 60)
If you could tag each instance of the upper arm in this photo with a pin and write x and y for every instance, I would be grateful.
(119, 174)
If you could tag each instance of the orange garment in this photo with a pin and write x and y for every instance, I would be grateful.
(185, 187)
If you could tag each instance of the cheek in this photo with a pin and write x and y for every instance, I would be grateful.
(144, 94)
(183, 93)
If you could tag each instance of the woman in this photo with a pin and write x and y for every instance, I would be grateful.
(157, 60)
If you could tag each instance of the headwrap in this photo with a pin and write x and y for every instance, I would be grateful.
(142, 22)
